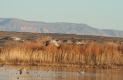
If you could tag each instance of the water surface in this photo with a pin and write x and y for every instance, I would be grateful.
(58, 73)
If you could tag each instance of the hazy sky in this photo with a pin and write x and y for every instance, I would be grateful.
(97, 13)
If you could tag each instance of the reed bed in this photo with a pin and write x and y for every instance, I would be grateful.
(36, 53)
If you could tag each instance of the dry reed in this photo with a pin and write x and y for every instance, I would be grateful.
(36, 53)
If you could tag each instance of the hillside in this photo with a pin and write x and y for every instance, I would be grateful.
(9, 24)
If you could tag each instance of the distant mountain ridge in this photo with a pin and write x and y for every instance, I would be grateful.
(11, 24)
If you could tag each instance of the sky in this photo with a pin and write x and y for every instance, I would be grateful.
(104, 14)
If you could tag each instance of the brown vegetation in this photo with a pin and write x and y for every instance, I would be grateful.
(36, 52)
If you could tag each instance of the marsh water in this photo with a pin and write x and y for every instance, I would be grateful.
(58, 73)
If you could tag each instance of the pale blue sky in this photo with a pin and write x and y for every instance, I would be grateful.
(97, 13)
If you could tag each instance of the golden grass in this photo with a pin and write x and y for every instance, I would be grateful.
(35, 53)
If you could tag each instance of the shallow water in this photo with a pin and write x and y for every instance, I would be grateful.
(58, 73)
